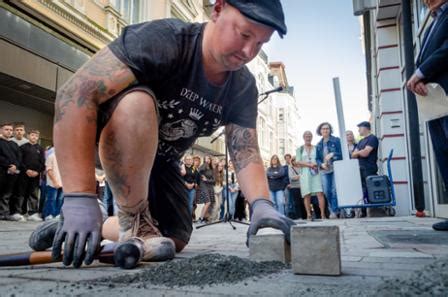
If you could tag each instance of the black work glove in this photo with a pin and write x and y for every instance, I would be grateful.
(80, 226)
(265, 215)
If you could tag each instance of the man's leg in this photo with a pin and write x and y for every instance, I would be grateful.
(127, 147)
(14, 208)
(33, 201)
(4, 202)
(438, 130)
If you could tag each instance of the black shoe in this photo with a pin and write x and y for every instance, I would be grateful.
(441, 226)
(42, 238)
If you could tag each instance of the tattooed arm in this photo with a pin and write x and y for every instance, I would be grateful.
(245, 155)
(77, 101)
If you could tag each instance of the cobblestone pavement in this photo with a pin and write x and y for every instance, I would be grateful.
(373, 250)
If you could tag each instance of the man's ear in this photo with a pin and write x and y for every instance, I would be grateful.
(217, 9)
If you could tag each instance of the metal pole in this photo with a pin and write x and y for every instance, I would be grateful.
(414, 127)
(341, 118)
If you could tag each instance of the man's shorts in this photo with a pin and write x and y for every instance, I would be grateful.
(168, 199)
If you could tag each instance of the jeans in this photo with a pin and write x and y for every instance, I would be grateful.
(232, 201)
(109, 201)
(54, 201)
(438, 130)
(291, 204)
(299, 209)
(329, 188)
(42, 197)
(278, 198)
(191, 196)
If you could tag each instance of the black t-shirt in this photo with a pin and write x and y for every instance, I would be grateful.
(369, 162)
(166, 56)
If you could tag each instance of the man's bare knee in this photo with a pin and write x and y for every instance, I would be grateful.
(134, 106)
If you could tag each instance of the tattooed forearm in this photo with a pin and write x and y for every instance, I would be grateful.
(243, 146)
(103, 76)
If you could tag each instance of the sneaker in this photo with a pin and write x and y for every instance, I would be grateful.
(333, 216)
(48, 218)
(34, 218)
(17, 217)
(136, 222)
(42, 237)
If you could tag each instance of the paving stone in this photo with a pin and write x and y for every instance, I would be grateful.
(269, 247)
(316, 250)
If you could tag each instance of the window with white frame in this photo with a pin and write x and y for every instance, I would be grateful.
(129, 9)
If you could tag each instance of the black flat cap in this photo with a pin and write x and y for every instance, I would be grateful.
(266, 12)
(364, 124)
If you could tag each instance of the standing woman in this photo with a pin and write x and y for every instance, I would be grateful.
(189, 172)
(206, 192)
(351, 142)
(218, 172)
(232, 188)
(276, 174)
(310, 181)
(196, 166)
(328, 150)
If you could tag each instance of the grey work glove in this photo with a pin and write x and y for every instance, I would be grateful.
(265, 215)
(80, 226)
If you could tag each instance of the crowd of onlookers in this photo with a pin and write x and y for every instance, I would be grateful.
(30, 183)
(303, 188)
(212, 189)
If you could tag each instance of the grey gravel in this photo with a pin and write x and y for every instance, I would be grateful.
(432, 280)
(199, 271)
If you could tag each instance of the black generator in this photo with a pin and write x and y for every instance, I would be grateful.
(379, 189)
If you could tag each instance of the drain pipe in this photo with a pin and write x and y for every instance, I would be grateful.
(414, 128)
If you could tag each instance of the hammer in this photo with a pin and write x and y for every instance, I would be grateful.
(126, 255)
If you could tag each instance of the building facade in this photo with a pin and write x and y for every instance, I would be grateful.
(287, 113)
(43, 42)
(383, 38)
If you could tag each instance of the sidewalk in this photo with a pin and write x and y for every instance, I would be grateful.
(373, 250)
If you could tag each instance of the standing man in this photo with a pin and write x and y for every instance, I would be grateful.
(168, 82)
(33, 164)
(432, 67)
(10, 163)
(290, 203)
(367, 153)
(20, 139)
(19, 134)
